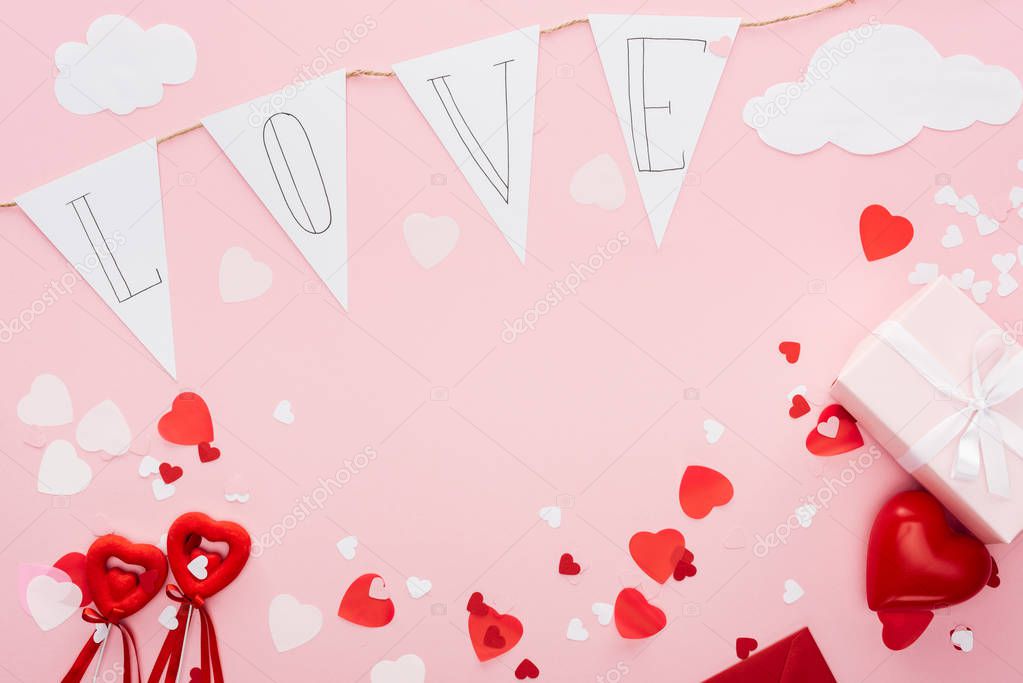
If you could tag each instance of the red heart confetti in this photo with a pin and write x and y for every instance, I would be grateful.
(493, 633)
(657, 554)
(208, 453)
(170, 473)
(526, 669)
(359, 606)
(800, 407)
(883, 234)
(901, 628)
(993, 581)
(493, 637)
(835, 433)
(568, 566)
(701, 490)
(476, 605)
(195, 675)
(790, 350)
(635, 617)
(684, 570)
(744, 646)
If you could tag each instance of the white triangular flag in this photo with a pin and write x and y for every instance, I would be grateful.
(291, 148)
(662, 72)
(479, 99)
(107, 221)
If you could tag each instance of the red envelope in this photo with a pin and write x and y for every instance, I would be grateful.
(795, 659)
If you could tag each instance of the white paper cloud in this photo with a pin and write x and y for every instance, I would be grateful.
(873, 88)
(121, 67)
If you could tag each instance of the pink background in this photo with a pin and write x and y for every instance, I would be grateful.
(474, 435)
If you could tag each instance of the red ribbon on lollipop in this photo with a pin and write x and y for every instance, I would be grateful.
(118, 594)
(199, 574)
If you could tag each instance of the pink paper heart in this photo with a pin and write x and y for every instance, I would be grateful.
(720, 47)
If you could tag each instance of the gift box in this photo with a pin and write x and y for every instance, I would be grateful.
(940, 386)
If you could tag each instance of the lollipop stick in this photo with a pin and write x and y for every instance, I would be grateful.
(184, 642)
(99, 658)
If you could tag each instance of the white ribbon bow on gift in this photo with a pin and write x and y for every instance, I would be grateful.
(984, 429)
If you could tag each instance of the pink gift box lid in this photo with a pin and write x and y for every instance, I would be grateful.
(897, 406)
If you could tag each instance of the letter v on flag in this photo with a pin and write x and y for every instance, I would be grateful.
(479, 99)
(107, 221)
(663, 72)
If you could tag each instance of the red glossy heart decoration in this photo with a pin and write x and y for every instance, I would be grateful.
(360, 607)
(635, 617)
(900, 629)
(658, 554)
(916, 561)
(118, 593)
(188, 423)
(492, 634)
(835, 432)
(702, 489)
(182, 540)
(883, 234)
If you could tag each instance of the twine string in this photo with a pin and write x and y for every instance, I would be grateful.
(374, 73)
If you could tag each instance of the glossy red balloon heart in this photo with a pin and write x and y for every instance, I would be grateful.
(116, 592)
(188, 423)
(183, 539)
(915, 560)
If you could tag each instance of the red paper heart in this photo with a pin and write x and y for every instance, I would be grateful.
(915, 560)
(994, 581)
(208, 453)
(800, 406)
(170, 473)
(492, 634)
(901, 628)
(657, 554)
(846, 437)
(73, 564)
(195, 675)
(476, 604)
(568, 566)
(790, 350)
(702, 489)
(744, 646)
(526, 669)
(359, 607)
(883, 234)
(635, 617)
(188, 423)
(119, 593)
(183, 538)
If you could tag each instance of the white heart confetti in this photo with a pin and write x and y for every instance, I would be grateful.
(1006, 284)
(47, 403)
(346, 546)
(793, 591)
(576, 631)
(962, 638)
(713, 430)
(418, 587)
(197, 567)
(161, 490)
(148, 466)
(168, 618)
(552, 515)
(283, 413)
(604, 612)
(953, 237)
(923, 274)
(1004, 262)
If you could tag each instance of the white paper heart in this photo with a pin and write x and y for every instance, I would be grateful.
(1003, 263)
(946, 195)
(604, 612)
(964, 279)
(104, 428)
(61, 471)
(924, 273)
(793, 591)
(968, 205)
(805, 514)
(552, 515)
(162, 490)
(430, 238)
(236, 489)
(346, 546)
(405, 669)
(829, 428)
(980, 290)
(47, 403)
(168, 618)
(418, 587)
(292, 623)
(576, 631)
(51, 602)
(1007, 284)
(599, 181)
(197, 567)
(100, 633)
(953, 237)
(242, 278)
(713, 430)
(962, 638)
(987, 225)
(283, 413)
